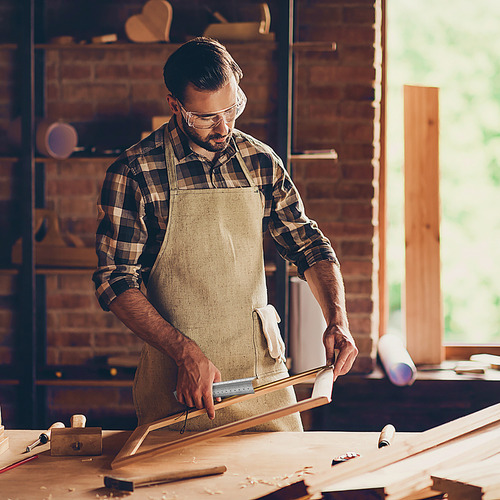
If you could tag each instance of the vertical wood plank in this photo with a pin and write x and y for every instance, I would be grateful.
(422, 301)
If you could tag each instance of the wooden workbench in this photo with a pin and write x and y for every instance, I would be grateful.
(257, 464)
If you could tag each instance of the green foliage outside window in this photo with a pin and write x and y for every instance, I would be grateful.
(453, 45)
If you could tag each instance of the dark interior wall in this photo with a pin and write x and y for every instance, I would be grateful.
(109, 95)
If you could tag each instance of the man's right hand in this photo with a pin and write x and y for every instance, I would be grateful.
(196, 374)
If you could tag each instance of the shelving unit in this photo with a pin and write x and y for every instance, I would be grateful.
(34, 375)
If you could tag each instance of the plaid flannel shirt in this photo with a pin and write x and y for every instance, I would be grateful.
(134, 204)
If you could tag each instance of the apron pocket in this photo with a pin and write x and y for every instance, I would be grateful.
(269, 319)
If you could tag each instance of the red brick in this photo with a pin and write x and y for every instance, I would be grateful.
(76, 92)
(76, 356)
(83, 398)
(111, 71)
(351, 190)
(111, 92)
(68, 339)
(359, 305)
(348, 230)
(355, 249)
(359, 15)
(360, 110)
(148, 91)
(118, 340)
(358, 131)
(146, 72)
(324, 210)
(357, 211)
(358, 172)
(342, 74)
(358, 286)
(66, 187)
(75, 72)
(68, 301)
(359, 323)
(356, 268)
(359, 54)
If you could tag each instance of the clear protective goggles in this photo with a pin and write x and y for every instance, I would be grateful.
(211, 120)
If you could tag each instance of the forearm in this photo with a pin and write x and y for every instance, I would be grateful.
(138, 314)
(327, 286)
(196, 372)
(325, 281)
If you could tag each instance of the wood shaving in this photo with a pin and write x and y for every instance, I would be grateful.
(43, 487)
(277, 481)
(212, 492)
(71, 489)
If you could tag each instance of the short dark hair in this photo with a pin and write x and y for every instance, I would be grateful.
(203, 62)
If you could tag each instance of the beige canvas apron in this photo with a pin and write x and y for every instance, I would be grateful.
(207, 281)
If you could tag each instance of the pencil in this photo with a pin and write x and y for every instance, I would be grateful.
(16, 464)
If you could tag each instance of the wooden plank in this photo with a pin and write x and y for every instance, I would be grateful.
(321, 395)
(423, 301)
(474, 480)
(401, 450)
(412, 476)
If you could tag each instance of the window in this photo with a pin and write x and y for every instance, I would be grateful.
(454, 46)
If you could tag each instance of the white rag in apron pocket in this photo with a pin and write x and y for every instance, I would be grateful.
(269, 318)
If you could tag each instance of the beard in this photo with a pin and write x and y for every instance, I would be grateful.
(205, 143)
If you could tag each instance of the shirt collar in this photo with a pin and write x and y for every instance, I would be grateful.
(180, 143)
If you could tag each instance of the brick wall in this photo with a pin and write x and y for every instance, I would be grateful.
(110, 95)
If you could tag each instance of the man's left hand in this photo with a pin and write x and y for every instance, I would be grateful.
(339, 338)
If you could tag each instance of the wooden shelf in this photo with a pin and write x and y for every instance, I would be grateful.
(329, 154)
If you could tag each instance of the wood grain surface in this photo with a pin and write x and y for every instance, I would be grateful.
(258, 463)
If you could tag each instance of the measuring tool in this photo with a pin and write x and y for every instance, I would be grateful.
(231, 388)
(44, 436)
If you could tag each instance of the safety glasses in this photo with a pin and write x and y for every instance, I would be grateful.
(211, 120)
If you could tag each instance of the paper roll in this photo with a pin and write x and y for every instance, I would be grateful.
(396, 361)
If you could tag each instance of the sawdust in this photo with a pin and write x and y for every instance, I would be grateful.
(277, 481)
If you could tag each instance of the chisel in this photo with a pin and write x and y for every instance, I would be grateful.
(44, 436)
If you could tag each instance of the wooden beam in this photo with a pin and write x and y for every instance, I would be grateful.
(422, 301)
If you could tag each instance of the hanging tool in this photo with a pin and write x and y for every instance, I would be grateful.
(44, 436)
(128, 484)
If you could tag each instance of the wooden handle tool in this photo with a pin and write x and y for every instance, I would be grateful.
(44, 436)
(386, 436)
(128, 484)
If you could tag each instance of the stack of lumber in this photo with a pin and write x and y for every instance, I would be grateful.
(460, 458)
(4, 440)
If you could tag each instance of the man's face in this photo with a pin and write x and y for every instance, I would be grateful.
(217, 138)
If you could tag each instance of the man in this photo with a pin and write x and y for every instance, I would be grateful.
(185, 210)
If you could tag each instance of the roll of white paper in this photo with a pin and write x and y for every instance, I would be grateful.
(396, 361)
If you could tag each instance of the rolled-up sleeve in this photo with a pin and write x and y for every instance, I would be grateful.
(298, 238)
(121, 234)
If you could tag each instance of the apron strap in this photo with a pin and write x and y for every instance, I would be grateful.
(172, 170)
